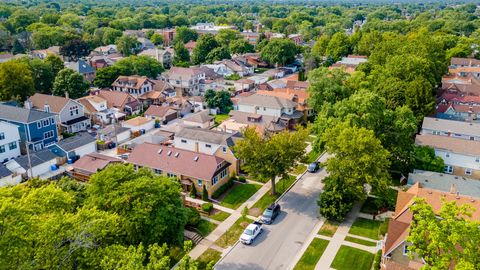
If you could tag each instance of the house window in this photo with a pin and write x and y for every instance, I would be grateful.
(52, 121)
(46, 122)
(264, 108)
(405, 249)
(200, 182)
(447, 154)
(477, 159)
(12, 145)
(214, 180)
(472, 138)
(2, 135)
(157, 171)
(208, 146)
(183, 141)
(224, 149)
(39, 124)
(171, 175)
(223, 174)
(468, 171)
(48, 134)
(436, 132)
(73, 110)
(448, 169)
(2, 148)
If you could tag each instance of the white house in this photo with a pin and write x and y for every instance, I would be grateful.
(76, 146)
(266, 105)
(9, 141)
(96, 108)
(187, 80)
(41, 164)
(451, 128)
(199, 119)
(139, 123)
(70, 113)
(134, 85)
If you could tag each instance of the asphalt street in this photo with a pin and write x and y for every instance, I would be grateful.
(280, 242)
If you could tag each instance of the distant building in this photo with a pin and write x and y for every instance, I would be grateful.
(82, 67)
(164, 57)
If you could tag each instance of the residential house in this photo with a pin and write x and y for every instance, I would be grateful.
(296, 38)
(258, 79)
(164, 57)
(161, 91)
(190, 46)
(193, 170)
(168, 35)
(114, 133)
(182, 104)
(105, 50)
(462, 157)
(238, 121)
(82, 67)
(42, 54)
(90, 164)
(456, 62)
(458, 112)
(186, 80)
(210, 142)
(42, 164)
(295, 84)
(162, 113)
(229, 67)
(244, 85)
(199, 119)
(350, 62)
(134, 85)
(96, 109)
(269, 105)
(70, 113)
(37, 128)
(445, 182)
(139, 124)
(9, 142)
(198, 103)
(122, 102)
(8, 178)
(145, 43)
(450, 128)
(210, 28)
(395, 249)
(251, 37)
(75, 147)
(300, 97)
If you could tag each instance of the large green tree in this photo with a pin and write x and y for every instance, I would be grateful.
(205, 44)
(271, 156)
(42, 75)
(327, 86)
(181, 56)
(71, 82)
(16, 81)
(74, 49)
(185, 34)
(279, 51)
(241, 46)
(55, 63)
(127, 45)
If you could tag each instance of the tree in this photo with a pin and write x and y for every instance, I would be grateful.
(205, 44)
(319, 49)
(71, 82)
(218, 54)
(219, 99)
(279, 51)
(110, 35)
(447, 239)
(424, 158)
(127, 45)
(106, 76)
(334, 202)
(16, 82)
(139, 65)
(74, 49)
(241, 46)
(150, 206)
(55, 63)
(270, 156)
(210, 98)
(185, 34)
(156, 39)
(327, 86)
(42, 75)
(181, 54)
(17, 47)
(204, 193)
(338, 46)
(227, 36)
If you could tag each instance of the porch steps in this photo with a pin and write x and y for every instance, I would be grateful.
(193, 236)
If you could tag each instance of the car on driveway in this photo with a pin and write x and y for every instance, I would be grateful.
(251, 232)
(313, 167)
(270, 213)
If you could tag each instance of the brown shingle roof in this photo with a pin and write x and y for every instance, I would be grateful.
(115, 98)
(459, 146)
(93, 162)
(137, 121)
(159, 111)
(136, 81)
(156, 157)
(56, 103)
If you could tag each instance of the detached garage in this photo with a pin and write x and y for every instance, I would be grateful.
(41, 162)
(139, 123)
(77, 146)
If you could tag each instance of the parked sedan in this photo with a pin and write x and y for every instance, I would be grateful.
(313, 167)
(270, 213)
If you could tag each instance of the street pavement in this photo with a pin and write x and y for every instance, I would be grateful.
(280, 243)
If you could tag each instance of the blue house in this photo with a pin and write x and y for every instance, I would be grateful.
(37, 128)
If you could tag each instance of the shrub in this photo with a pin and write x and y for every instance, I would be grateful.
(193, 217)
(222, 189)
(377, 260)
(204, 193)
(233, 177)
(207, 207)
(242, 179)
(193, 192)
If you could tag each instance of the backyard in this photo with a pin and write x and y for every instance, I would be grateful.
(219, 118)
(312, 255)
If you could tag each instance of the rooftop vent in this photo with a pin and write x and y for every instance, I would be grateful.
(195, 158)
(169, 153)
(160, 151)
(177, 154)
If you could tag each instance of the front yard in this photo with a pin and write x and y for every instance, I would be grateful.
(219, 216)
(238, 194)
(328, 228)
(348, 258)
(210, 256)
(233, 233)
(267, 199)
(366, 228)
(205, 227)
(312, 255)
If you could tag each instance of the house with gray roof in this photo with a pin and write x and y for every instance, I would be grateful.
(8, 178)
(451, 128)
(445, 182)
(38, 129)
(82, 67)
(199, 119)
(41, 163)
(76, 146)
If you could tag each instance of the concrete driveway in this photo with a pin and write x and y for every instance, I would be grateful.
(281, 243)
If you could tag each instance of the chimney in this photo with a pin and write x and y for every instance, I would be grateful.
(196, 147)
(28, 104)
(46, 108)
(453, 189)
(67, 95)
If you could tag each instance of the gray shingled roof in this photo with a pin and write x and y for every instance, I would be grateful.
(443, 182)
(199, 117)
(452, 126)
(267, 101)
(4, 172)
(79, 140)
(80, 66)
(206, 135)
(22, 115)
(36, 158)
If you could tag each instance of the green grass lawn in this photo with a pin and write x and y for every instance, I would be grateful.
(312, 254)
(210, 255)
(366, 228)
(219, 118)
(360, 241)
(260, 70)
(205, 227)
(239, 194)
(328, 228)
(268, 199)
(233, 233)
(312, 156)
(299, 169)
(220, 216)
(348, 258)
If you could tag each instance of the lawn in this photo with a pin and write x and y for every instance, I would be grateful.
(260, 70)
(239, 194)
(210, 255)
(299, 169)
(348, 258)
(366, 228)
(328, 228)
(268, 199)
(233, 233)
(312, 254)
(220, 216)
(360, 241)
(312, 156)
(205, 227)
(219, 118)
